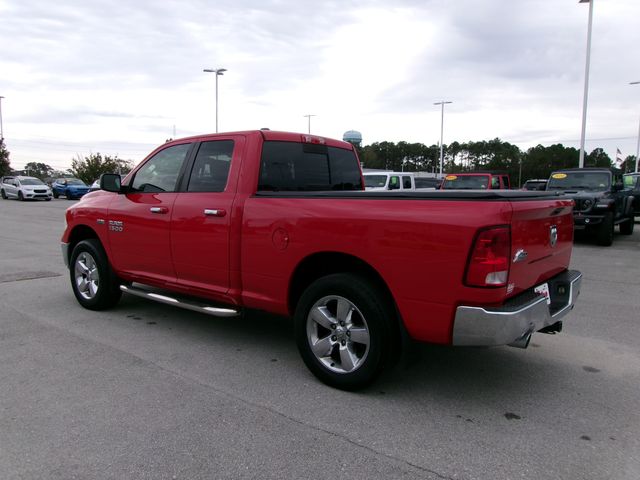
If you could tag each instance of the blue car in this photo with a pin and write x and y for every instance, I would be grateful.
(69, 187)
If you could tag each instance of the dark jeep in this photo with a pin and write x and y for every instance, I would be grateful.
(601, 201)
(632, 182)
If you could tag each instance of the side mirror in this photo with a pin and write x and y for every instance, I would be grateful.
(111, 182)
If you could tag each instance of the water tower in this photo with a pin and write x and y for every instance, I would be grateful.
(353, 137)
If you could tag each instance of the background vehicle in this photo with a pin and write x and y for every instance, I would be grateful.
(381, 181)
(632, 182)
(601, 202)
(427, 183)
(69, 187)
(535, 184)
(95, 186)
(476, 181)
(278, 222)
(24, 188)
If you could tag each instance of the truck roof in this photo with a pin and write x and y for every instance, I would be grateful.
(272, 135)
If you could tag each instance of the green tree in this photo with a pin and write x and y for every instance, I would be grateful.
(40, 170)
(5, 164)
(598, 158)
(91, 167)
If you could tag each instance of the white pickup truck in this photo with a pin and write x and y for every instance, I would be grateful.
(379, 181)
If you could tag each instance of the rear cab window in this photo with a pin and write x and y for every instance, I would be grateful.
(294, 166)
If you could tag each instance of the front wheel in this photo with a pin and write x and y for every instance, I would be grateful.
(3, 194)
(346, 330)
(626, 228)
(55, 194)
(604, 236)
(94, 283)
(20, 196)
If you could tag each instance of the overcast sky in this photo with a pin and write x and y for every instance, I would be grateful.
(119, 77)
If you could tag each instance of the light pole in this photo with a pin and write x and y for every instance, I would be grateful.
(218, 72)
(638, 145)
(309, 122)
(442, 104)
(1, 128)
(586, 83)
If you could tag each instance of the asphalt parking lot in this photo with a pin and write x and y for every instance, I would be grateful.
(147, 391)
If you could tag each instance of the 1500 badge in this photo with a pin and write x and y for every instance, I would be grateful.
(116, 226)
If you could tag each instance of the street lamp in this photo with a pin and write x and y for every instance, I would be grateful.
(442, 104)
(309, 122)
(638, 146)
(218, 72)
(586, 83)
(1, 129)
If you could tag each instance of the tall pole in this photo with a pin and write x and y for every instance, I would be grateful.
(218, 72)
(586, 83)
(638, 145)
(1, 128)
(309, 122)
(442, 104)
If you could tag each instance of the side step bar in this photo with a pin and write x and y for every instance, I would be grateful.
(179, 301)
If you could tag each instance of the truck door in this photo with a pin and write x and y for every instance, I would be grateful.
(202, 216)
(139, 221)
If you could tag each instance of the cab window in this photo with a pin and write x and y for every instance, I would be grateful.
(211, 167)
(160, 172)
(495, 182)
(394, 183)
(406, 182)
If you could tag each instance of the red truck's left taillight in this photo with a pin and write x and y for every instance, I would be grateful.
(488, 264)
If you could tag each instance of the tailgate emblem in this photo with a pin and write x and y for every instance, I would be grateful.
(553, 235)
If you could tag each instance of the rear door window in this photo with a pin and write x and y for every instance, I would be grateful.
(406, 182)
(293, 166)
(211, 167)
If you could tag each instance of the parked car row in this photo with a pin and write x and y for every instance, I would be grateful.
(603, 198)
(23, 187)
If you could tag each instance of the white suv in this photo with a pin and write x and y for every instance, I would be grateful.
(25, 188)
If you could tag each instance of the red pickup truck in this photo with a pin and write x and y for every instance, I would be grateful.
(280, 222)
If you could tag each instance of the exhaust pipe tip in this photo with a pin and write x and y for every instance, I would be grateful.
(522, 342)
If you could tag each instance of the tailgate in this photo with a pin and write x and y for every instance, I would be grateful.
(541, 241)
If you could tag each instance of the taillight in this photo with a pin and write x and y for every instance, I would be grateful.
(488, 264)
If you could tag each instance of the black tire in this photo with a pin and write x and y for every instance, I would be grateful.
(626, 228)
(346, 363)
(3, 194)
(69, 197)
(604, 235)
(20, 196)
(89, 262)
(55, 194)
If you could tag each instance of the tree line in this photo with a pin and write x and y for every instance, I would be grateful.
(536, 162)
(88, 168)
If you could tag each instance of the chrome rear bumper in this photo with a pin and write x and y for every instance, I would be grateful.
(519, 317)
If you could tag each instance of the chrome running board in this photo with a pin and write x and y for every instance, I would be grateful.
(170, 298)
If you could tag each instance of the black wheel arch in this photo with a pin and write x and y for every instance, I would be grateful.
(80, 233)
(321, 264)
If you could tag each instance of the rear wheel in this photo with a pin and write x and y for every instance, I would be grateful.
(345, 330)
(626, 228)
(94, 283)
(604, 236)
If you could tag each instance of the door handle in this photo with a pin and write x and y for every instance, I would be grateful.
(215, 212)
(158, 209)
